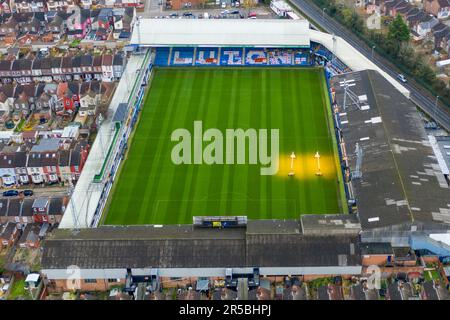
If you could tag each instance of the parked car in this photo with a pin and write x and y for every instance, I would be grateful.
(187, 14)
(11, 193)
(402, 78)
(28, 193)
(252, 14)
(173, 15)
(234, 12)
(224, 5)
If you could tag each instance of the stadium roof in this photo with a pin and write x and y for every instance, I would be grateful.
(187, 247)
(401, 180)
(221, 32)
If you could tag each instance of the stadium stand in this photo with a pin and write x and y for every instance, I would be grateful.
(280, 57)
(182, 56)
(301, 57)
(231, 56)
(206, 56)
(162, 56)
(255, 57)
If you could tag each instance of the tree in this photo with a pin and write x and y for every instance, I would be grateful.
(407, 56)
(398, 30)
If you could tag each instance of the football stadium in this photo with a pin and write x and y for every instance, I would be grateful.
(353, 175)
(274, 76)
(231, 87)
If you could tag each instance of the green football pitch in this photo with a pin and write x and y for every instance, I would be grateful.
(151, 189)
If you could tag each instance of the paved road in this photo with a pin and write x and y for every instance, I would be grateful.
(418, 95)
(45, 191)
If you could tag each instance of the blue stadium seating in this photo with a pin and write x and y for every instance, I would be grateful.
(162, 56)
(301, 57)
(234, 56)
(207, 56)
(255, 57)
(182, 57)
(231, 56)
(280, 57)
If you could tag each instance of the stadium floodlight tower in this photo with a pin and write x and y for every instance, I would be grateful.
(317, 156)
(138, 25)
(291, 172)
(334, 48)
(350, 94)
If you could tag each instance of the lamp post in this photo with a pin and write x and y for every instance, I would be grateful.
(373, 47)
(323, 13)
(435, 108)
(292, 156)
(317, 156)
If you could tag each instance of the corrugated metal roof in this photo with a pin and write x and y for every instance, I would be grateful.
(221, 32)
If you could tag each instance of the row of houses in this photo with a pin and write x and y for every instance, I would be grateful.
(139, 4)
(104, 67)
(50, 161)
(9, 6)
(45, 100)
(29, 28)
(425, 25)
(396, 290)
(27, 210)
(28, 235)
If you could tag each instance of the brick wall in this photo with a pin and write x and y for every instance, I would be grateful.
(99, 285)
(377, 260)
